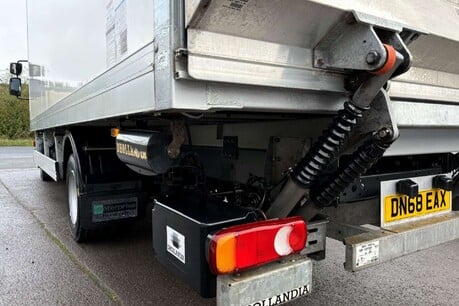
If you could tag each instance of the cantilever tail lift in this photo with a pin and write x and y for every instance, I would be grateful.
(373, 55)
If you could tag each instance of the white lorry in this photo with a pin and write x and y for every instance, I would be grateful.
(255, 128)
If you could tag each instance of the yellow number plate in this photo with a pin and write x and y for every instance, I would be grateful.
(398, 206)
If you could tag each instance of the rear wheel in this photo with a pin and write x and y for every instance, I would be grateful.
(79, 234)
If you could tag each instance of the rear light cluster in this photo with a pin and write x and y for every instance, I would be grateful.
(243, 246)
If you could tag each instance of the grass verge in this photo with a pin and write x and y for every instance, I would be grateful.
(25, 142)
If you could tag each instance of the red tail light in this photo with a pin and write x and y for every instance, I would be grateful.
(248, 245)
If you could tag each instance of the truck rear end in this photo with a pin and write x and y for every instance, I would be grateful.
(250, 130)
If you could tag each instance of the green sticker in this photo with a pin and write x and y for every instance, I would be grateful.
(97, 209)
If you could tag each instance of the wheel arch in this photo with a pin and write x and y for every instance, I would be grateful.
(71, 147)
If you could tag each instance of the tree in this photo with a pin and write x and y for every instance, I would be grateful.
(14, 114)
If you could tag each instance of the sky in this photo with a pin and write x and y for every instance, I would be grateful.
(53, 46)
(13, 32)
(68, 38)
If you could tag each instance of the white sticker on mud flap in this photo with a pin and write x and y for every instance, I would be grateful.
(175, 243)
(367, 253)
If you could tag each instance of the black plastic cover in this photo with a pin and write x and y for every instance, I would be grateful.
(180, 231)
(408, 187)
(442, 182)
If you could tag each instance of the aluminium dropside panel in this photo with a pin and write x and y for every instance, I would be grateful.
(89, 60)
(251, 56)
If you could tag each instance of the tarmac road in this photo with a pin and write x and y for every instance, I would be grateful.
(40, 264)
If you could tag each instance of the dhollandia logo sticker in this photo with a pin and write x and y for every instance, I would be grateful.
(283, 297)
(175, 243)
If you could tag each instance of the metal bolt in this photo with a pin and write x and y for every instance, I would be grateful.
(373, 57)
(173, 152)
(383, 133)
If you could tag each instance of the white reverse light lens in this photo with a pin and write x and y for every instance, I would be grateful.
(281, 241)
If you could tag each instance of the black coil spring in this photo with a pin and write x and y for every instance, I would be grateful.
(362, 160)
(327, 147)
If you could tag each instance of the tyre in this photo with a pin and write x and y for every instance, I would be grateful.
(45, 177)
(79, 234)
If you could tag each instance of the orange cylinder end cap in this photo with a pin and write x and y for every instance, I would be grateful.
(390, 61)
